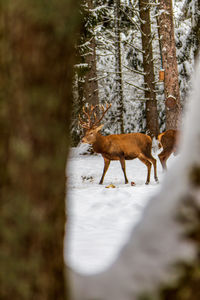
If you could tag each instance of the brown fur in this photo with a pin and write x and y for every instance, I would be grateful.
(168, 141)
(122, 147)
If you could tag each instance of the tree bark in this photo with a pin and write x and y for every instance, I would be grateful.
(197, 32)
(149, 80)
(91, 92)
(168, 52)
(118, 66)
(37, 57)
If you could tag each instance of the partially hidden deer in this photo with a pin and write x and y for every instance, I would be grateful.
(116, 146)
(168, 140)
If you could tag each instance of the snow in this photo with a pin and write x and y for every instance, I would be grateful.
(101, 218)
(158, 242)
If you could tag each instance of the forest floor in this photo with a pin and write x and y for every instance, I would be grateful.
(100, 218)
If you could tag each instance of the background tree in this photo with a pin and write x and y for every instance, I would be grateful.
(168, 52)
(119, 98)
(131, 60)
(88, 55)
(149, 78)
(85, 78)
(191, 10)
(37, 57)
(186, 35)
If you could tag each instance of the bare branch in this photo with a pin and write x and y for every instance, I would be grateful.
(137, 87)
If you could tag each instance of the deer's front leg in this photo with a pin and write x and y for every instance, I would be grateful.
(122, 161)
(106, 166)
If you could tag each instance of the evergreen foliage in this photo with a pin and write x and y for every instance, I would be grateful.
(101, 24)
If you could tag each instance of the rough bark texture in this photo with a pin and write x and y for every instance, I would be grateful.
(118, 67)
(197, 32)
(35, 78)
(149, 80)
(168, 52)
(90, 93)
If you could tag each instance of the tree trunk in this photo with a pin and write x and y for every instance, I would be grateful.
(118, 66)
(168, 52)
(36, 53)
(197, 31)
(150, 95)
(91, 92)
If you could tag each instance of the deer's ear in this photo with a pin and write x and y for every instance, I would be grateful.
(99, 128)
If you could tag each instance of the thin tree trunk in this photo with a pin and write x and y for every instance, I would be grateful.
(151, 103)
(197, 32)
(168, 52)
(118, 64)
(91, 92)
(37, 53)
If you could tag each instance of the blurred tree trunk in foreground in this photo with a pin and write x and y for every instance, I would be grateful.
(36, 59)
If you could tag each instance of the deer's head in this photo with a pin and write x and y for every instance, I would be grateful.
(91, 134)
(91, 123)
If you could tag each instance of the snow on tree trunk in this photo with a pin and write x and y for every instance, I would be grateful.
(168, 52)
(149, 80)
(162, 240)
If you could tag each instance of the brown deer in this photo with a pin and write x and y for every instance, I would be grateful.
(168, 140)
(116, 146)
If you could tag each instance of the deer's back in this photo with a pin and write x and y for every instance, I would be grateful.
(130, 145)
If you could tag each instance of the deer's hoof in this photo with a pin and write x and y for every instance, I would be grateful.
(147, 182)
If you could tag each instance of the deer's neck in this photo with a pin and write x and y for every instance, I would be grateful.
(100, 144)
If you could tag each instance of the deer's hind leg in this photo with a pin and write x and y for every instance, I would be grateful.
(154, 162)
(145, 161)
(163, 156)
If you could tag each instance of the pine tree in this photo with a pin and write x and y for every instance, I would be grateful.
(187, 42)
(149, 79)
(86, 89)
(168, 52)
(191, 10)
(119, 98)
(90, 90)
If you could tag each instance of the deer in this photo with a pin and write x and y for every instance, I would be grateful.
(114, 147)
(168, 140)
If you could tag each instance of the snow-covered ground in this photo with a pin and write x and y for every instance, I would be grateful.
(100, 218)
